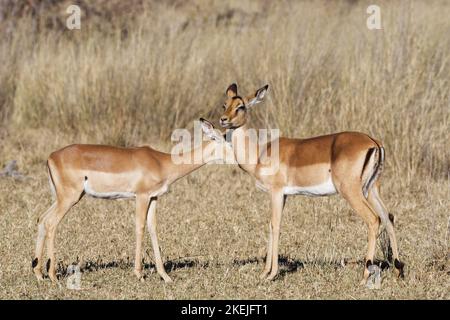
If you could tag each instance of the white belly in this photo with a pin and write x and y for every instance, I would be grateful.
(107, 195)
(324, 189)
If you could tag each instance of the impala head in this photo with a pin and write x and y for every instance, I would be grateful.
(210, 132)
(222, 149)
(236, 107)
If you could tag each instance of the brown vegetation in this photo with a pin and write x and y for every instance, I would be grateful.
(134, 73)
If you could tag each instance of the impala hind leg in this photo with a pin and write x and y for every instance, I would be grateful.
(40, 242)
(388, 221)
(151, 221)
(51, 222)
(363, 208)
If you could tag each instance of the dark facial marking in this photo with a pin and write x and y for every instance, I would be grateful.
(240, 108)
(48, 264)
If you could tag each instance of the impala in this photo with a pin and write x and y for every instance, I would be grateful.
(114, 173)
(348, 163)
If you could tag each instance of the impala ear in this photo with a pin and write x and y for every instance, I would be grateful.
(232, 91)
(258, 96)
(210, 131)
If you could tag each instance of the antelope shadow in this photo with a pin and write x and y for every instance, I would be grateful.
(125, 264)
(290, 265)
(287, 264)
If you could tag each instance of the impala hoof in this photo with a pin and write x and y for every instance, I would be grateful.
(271, 277)
(399, 268)
(263, 275)
(39, 275)
(53, 278)
(37, 269)
(139, 274)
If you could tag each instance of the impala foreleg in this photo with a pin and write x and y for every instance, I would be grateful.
(268, 265)
(142, 207)
(151, 221)
(277, 210)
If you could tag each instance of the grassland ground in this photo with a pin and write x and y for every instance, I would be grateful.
(213, 229)
(137, 70)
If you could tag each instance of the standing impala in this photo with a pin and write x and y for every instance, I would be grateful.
(112, 173)
(348, 163)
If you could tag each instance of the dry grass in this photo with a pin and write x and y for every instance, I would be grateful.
(132, 81)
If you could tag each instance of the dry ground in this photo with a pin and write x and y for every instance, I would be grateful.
(212, 228)
(133, 74)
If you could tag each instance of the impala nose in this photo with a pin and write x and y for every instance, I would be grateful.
(224, 119)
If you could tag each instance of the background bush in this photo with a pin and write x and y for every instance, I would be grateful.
(139, 69)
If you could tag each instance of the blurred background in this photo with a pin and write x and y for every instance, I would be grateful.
(139, 69)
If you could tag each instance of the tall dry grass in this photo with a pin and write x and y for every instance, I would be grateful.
(138, 69)
(123, 80)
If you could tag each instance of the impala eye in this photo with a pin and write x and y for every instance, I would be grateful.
(240, 108)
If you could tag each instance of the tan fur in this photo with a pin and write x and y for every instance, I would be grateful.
(340, 157)
(143, 173)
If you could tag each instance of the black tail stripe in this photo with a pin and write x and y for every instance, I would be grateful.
(51, 176)
(377, 170)
(366, 160)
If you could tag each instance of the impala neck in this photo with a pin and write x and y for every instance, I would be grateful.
(246, 152)
(176, 171)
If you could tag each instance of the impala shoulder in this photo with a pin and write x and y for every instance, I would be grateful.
(65, 150)
(150, 158)
(149, 152)
(143, 153)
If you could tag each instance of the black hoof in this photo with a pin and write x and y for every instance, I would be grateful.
(400, 268)
(34, 263)
(391, 218)
(48, 264)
